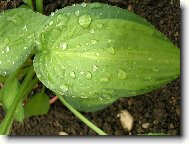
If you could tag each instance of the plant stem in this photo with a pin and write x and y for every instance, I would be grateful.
(7, 120)
(81, 117)
(53, 100)
(39, 6)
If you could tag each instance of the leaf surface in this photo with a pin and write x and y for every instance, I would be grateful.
(19, 29)
(9, 92)
(38, 105)
(93, 59)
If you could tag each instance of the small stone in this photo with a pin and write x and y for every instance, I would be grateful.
(126, 119)
(171, 126)
(63, 133)
(145, 125)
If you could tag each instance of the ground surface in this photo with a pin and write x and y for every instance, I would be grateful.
(157, 111)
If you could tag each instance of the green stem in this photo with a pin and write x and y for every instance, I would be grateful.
(7, 120)
(30, 87)
(39, 6)
(81, 117)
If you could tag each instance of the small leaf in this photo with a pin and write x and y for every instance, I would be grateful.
(9, 93)
(28, 3)
(1, 94)
(38, 105)
(93, 59)
(19, 29)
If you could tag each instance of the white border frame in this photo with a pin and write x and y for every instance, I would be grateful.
(184, 139)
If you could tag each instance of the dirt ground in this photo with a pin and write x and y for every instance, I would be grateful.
(158, 111)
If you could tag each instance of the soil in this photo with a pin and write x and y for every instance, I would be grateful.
(156, 112)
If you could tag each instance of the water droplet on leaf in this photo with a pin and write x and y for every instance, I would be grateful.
(94, 68)
(64, 45)
(111, 50)
(92, 31)
(85, 20)
(83, 4)
(51, 23)
(77, 13)
(99, 25)
(73, 75)
(88, 75)
(39, 75)
(121, 74)
(93, 41)
(64, 88)
(7, 49)
(104, 80)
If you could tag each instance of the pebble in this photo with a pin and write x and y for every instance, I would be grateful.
(62, 133)
(171, 126)
(126, 120)
(145, 125)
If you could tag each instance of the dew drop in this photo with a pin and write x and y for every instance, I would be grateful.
(94, 68)
(25, 28)
(64, 45)
(104, 80)
(93, 41)
(99, 25)
(92, 31)
(111, 50)
(78, 45)
(73, 75)
(83, 4)
(85, 20)
(39, 75)
(149, 58)
(121, 74)
(64, 87)
(109, 40)
(6, 40)
(52, 13)
(88, 75)
(51, 23)
(82, 72)
(7, 49)
(77, 13)
(4, 72)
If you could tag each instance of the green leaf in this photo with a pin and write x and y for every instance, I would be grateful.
(29, 3)
(9, 93)
(1, 94)
(19, 29)
(38, 105)
(94, 59)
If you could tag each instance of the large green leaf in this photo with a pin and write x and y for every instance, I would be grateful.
(38, 105)
(19, 29)
(9, 92)
(94, 54)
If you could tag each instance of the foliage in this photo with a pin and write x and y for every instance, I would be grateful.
(92, 54)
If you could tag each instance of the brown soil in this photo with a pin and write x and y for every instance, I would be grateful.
(160, 108)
